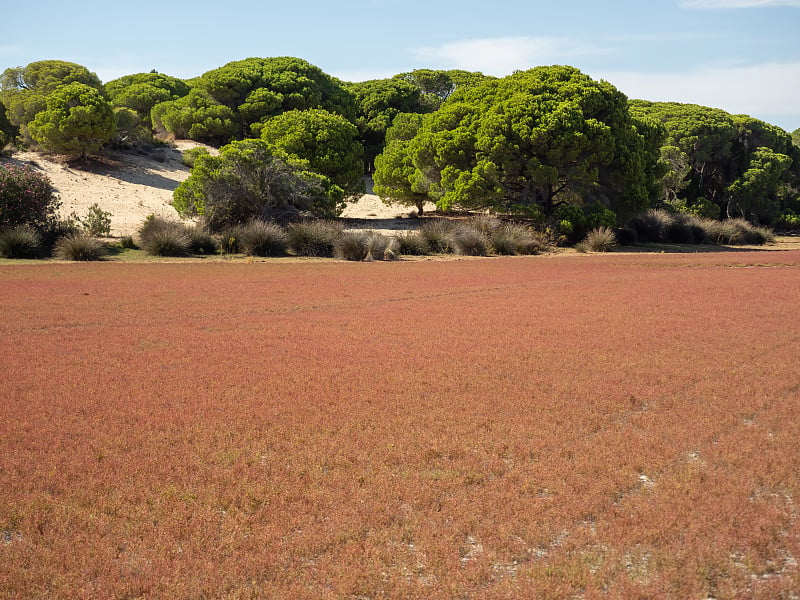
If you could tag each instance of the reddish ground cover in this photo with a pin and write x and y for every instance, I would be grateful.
(620, 426)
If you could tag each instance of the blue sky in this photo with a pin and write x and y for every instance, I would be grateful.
(739, 55)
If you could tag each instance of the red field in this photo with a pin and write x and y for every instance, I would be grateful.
(565, 427)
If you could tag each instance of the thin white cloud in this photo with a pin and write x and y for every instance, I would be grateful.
(736, 3)
(502, 56)
(764, 89)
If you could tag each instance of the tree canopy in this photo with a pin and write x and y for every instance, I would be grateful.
(438, 85)
(528, 142)
(733, 162)
(196, 116)
(251, 180)
(140, 92)
(77, 120)
(24, 90)
(324, 142)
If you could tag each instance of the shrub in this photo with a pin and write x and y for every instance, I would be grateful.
(412, 243)
(26, 198)
(736, 232)
(97, 222)
(259, 238)
(200, 241)
(160, 237)
(437, 235)
(626, 236)
(601, 239)
(230, 240)
(651, 225)
(469, 241)
(190, 155)
(79, 246)
(513, 238)
(486, 224)
(314, 238)
(20, 242)
(128, 242)
(378, 245)
(351, 245)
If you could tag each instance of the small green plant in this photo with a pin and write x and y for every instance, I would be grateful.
(128, 242)
(20, 242)
(97, 221)
(190, 155)
(160, 237)
(259, 238)
(230, 240)
(80, 247)
(601, 239)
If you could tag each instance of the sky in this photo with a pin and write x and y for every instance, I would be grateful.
(739, 55)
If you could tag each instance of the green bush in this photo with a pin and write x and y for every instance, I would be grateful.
(230, 240)
(650, 226)
(601, 239)
(259, 238)
(26, 198)
(514, 238)
(79, 246)
(314, 238)
(97, 222)
(190, 155)
(20, 242)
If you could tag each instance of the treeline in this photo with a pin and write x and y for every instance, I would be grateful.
(550, 144)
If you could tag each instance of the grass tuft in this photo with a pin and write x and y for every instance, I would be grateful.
(260, 238)
(20, 242)
(79, 247)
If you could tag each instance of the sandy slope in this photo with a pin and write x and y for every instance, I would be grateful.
(132, 186)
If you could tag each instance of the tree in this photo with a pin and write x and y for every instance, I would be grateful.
(437, 85)
(325, 142)
(396, 178)
(196, 116)
(140, 92)
(6, 128)
(24, 90)
(530, 141)
(77, 120)
(250, 180)
(796, 137)
(707, 152)
(753, 195)
(379, 101)
(256, 89)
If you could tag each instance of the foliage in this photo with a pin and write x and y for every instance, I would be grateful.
(412, 243)
(321, 141)
(96, 222)
(515, 238)
(529, 142)
(247, 181)
(351, 245)
(314, 238)
(21, 241)
(601, 239)
(24, 90)
(258, 238)
(197, 116)
(200, 241)
(396, 178)
(140, 92)
(6, 129)
(26, 198)
(77, 120)
(190, 155)
(256, 89)
(438, 85)
(438, 235)
(79, 247)
(469, 240)
(740, 165)
(379, 102)
(159, 237)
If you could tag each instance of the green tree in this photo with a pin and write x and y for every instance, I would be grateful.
(707, 151)
(796, 137)
(140, 92)
(438, 85)
(533, 140)
(753, 195)
(250, 180)
(256, 89)
(77, 120)
(379, 101)
(196, 116)
(396, 177)
(6, 128)
(24, 90)
(325, 142)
